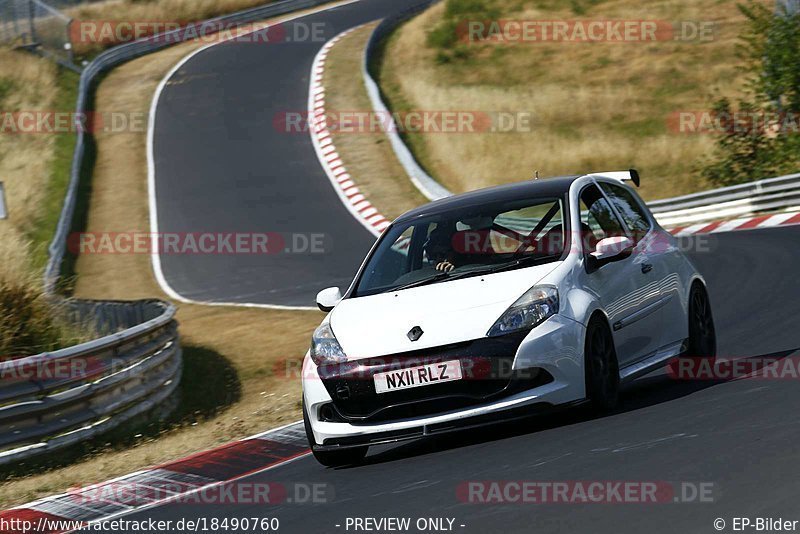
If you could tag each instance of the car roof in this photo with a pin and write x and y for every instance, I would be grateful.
(555, 187)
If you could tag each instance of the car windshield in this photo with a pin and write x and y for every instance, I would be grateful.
(465, 242)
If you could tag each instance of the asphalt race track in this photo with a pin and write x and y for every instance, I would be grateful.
(739, 437)
(221, 165)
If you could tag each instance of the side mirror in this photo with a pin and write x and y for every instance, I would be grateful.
(327, 299)
(611, 249)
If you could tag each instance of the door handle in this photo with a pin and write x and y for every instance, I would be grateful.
(647, 267)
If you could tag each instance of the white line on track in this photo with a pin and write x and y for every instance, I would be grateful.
(155, 258)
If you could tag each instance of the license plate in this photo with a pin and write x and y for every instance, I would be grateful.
(414, 377)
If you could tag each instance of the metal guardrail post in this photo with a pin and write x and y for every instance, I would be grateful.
(3, 209)
(15, 18)
(31, 23)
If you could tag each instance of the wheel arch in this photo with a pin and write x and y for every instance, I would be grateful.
(581, 305)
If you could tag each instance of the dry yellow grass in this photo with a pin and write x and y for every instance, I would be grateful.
(29, 322)
(595, 106)
(256, 342)
(153, 11)
(26, 83)
(368, 156)
(13, 253)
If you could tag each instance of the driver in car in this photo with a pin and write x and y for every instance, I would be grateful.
(439, 248)
(449, 248)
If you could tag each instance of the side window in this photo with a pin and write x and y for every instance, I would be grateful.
(598, 220)
(629, 209)
(545, 219)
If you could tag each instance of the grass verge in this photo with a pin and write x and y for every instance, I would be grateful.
(43, 228)
(34, 168)
(595, 105)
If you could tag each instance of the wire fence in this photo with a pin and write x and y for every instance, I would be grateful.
(791, 6)
(15, 21)
(38, 25)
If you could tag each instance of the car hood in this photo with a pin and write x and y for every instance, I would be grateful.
(447, 312)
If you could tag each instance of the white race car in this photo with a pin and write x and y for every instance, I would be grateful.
(495, 304)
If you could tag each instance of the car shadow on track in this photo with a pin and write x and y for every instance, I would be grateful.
(656, 388)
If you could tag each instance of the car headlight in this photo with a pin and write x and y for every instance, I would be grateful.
(324, 347)
(531, 309)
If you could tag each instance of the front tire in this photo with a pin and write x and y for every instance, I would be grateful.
(602, 367)
(702, 334)
(350, 456)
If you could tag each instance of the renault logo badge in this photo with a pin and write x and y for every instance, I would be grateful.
(415, 333)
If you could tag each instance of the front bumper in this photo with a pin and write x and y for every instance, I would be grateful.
(553, 349)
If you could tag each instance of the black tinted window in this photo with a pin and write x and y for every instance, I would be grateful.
(629, 209)
(598, 220)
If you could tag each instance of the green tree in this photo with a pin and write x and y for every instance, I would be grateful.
(767, 145)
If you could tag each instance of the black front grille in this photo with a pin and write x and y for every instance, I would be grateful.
(486, 366)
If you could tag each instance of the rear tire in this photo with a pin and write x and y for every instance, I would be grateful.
(350, 456)
(602, 367)
(702, 334)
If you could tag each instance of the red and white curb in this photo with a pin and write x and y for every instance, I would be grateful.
(159, 485)
(747, 223)
(322, 138)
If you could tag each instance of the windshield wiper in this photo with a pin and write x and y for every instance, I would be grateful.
(424, 281)
(445, 276)
(438, 277)
(519, 262)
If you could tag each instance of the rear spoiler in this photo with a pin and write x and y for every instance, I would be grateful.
(631, 175)
(634, 177)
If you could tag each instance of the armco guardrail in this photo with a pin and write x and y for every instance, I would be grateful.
(113, 57)
(55, 399)
(760, 196)
(430, 188)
